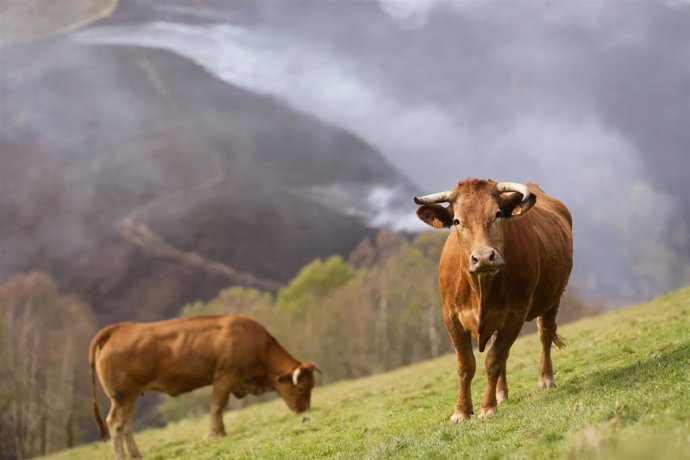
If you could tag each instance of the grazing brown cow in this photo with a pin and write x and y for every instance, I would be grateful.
(500, 265)
(233, 353)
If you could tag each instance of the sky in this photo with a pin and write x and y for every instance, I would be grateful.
(589, 99)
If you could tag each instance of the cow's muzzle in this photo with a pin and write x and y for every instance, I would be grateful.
(485, 261)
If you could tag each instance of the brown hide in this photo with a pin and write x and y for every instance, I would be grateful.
(233, 353)
(537, 249)
(533, 253)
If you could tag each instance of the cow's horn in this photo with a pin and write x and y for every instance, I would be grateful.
(514, 187)
(295, 375)
(440, 197)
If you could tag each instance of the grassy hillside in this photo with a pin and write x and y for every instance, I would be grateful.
(623, 392)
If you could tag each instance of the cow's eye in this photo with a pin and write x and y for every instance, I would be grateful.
(499, 215)
(457, 221)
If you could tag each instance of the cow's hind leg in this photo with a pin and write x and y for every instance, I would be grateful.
(547, 335)
(129, 431)
(116, 425)
(462, 342)
(219, 400)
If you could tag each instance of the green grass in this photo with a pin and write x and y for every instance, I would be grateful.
(623, 392)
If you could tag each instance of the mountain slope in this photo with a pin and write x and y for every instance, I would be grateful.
(141, 182)
(623, 393)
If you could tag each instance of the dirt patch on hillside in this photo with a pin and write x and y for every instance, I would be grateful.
(26, 20)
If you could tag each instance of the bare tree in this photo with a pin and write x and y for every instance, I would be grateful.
(45, 335)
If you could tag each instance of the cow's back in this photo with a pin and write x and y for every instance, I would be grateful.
(176, 356)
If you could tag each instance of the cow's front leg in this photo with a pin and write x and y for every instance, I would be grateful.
(466, 367)
(219, 400)
(495, 363)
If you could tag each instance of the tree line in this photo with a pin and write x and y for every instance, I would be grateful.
(44, 402)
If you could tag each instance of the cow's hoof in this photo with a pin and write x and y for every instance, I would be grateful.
(457, 417)
(501, 397)
(217, 434)
(547, 383)
(485, 413)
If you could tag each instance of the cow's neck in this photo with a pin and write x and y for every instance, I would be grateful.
(279, 362)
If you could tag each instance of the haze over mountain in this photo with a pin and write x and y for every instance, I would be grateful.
(142, 182)
(170, 150)
(590, 99)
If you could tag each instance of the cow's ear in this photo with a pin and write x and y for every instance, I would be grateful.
(512, 205)
(436, 215)
(310, 366)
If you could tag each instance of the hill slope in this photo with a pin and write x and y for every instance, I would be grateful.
(141, 182)
(623, 393)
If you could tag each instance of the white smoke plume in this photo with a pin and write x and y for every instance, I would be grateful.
(447, 90)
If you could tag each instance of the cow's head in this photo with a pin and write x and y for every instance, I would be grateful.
(476, 210)
(295, 387)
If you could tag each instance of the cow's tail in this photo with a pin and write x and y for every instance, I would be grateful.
(98, 341)
(559, 341)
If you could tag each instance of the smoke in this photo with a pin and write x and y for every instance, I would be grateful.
(409, 14)
(448, 90)
(378, 206)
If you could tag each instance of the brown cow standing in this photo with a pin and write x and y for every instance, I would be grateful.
(233, 353)
(501, 265)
